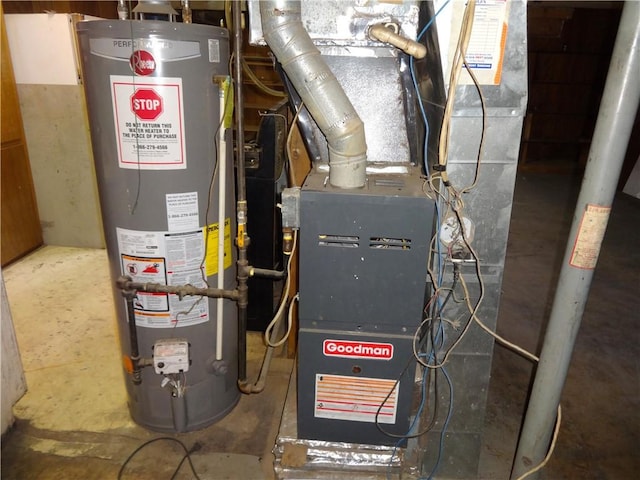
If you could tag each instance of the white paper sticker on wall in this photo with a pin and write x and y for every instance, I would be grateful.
(485, 52)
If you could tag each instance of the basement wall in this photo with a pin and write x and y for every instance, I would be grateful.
(56, 128)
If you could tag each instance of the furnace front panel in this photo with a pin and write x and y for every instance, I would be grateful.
(363, 258)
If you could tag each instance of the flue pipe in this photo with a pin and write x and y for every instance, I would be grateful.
(319, 89)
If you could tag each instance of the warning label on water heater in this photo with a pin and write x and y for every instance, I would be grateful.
(166, 258)
(149, 122)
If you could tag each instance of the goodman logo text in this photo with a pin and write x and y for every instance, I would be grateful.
(370, 350)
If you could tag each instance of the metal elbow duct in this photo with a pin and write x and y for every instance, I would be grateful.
(319, 89)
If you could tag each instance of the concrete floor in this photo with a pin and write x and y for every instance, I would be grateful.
(73, 422)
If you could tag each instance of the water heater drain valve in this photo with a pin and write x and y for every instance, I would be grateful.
(171, 355)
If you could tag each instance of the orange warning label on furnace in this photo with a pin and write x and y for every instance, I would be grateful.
(355, 398)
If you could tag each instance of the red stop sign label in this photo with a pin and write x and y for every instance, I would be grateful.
(146, 104)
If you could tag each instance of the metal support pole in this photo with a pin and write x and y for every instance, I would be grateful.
(611, 136)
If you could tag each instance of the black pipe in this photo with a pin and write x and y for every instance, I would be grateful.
(265, 273)
(136, 375)
(242, 239)
(126, 284)
(129, 290)
(287, 245)
(242, 346)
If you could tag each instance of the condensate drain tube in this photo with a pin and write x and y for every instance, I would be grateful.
(382, 33)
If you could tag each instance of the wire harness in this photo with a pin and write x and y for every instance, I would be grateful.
(430, 336)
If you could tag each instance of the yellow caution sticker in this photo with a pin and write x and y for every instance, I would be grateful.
(211, 246)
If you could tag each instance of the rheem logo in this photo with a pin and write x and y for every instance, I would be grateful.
(142, 62)
(347, 349)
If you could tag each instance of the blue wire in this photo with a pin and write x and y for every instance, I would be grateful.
(422, 402)
(437, 343)
(425, 152)
(413, 423)
(415, 86)
(440, 336)
(393, 454)
(444, 427)
(424, 117)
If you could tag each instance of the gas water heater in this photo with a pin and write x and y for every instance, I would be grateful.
(156, 95)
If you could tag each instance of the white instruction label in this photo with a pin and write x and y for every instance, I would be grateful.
(586, 248)
(355, 398)
(485, 52)
(167, 258)
(214, 50)
(149, 122)
(182, 211)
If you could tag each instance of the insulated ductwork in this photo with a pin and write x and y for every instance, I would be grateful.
(319, 89)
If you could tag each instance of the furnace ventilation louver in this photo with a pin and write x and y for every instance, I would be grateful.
(390, 243)
(338, 241)
(348, 241)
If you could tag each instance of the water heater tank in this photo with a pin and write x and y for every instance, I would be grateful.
(154, 109)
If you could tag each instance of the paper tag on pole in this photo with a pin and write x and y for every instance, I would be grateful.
(589, 237)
